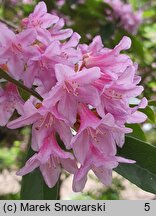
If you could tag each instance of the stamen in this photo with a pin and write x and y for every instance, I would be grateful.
(112, 94)
(38, 105)
(49, 163)
(54, 162)
(76, 67)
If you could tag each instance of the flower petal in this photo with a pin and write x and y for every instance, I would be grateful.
(30, 165)
(87, 76)
(64, 132)
(73, 41)
(63, 72)
(50, 174)
(26, 37)
(124, 44)
(67, 107)
(69, 165)
(104, 175)
(80, 178)
(40, 9)
(124, 160)
(80, 144)
(88, 95)
(48, 20)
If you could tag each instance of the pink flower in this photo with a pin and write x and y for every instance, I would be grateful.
(81, 1)
(40, 21)
(45, 121)
(92, 49)
(22, 1)
(115, 96)
(128, 19)
(60, 3)
(16, 49)
(137, 116)
(58, 33)
(73, 88)
(98, 132)
(14, 1)
(101, 164)
(96, 55)
(65, 53)
(42, 64)
(27, 1)
(50, 159)
(9, 101)
(86, 91)
(118, 81)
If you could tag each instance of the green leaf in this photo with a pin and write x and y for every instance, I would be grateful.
(137, 131)
(149, 112)
(7, 77)
(133, 3)
(34, 187)
(24, 95)
(8, 23)
(152, 103)
(137, 47)
(149, 13)
(50, 4)
(143, 172)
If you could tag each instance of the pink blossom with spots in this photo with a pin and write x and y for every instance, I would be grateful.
(40, 21)
(9, 101)
(73, 88)
(100, 133)
(50, 159)
(45, 121)
(16, 49)
(101, 164)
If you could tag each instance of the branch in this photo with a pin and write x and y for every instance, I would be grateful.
(9, 24)
(7, 77)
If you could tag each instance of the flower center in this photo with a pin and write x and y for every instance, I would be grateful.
(16, 47)
(53, 161)
(112, 94)
(47, 121)
(71, 87)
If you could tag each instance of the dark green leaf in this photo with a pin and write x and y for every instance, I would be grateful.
(143, 172)
(152, 103)
(137, 176)
(24, 95)
(137, 47)
(150, 113)
(137, 131)
(50, 4)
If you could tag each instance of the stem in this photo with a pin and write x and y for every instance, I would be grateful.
(9, 24)
(58, 185)
(7, 77)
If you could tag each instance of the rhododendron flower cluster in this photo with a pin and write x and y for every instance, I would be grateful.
(124, 14)
(86, 91)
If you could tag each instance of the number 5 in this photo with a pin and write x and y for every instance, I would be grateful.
(147, 207)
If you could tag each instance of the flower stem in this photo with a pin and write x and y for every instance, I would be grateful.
(9, 24)
(7, 77)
